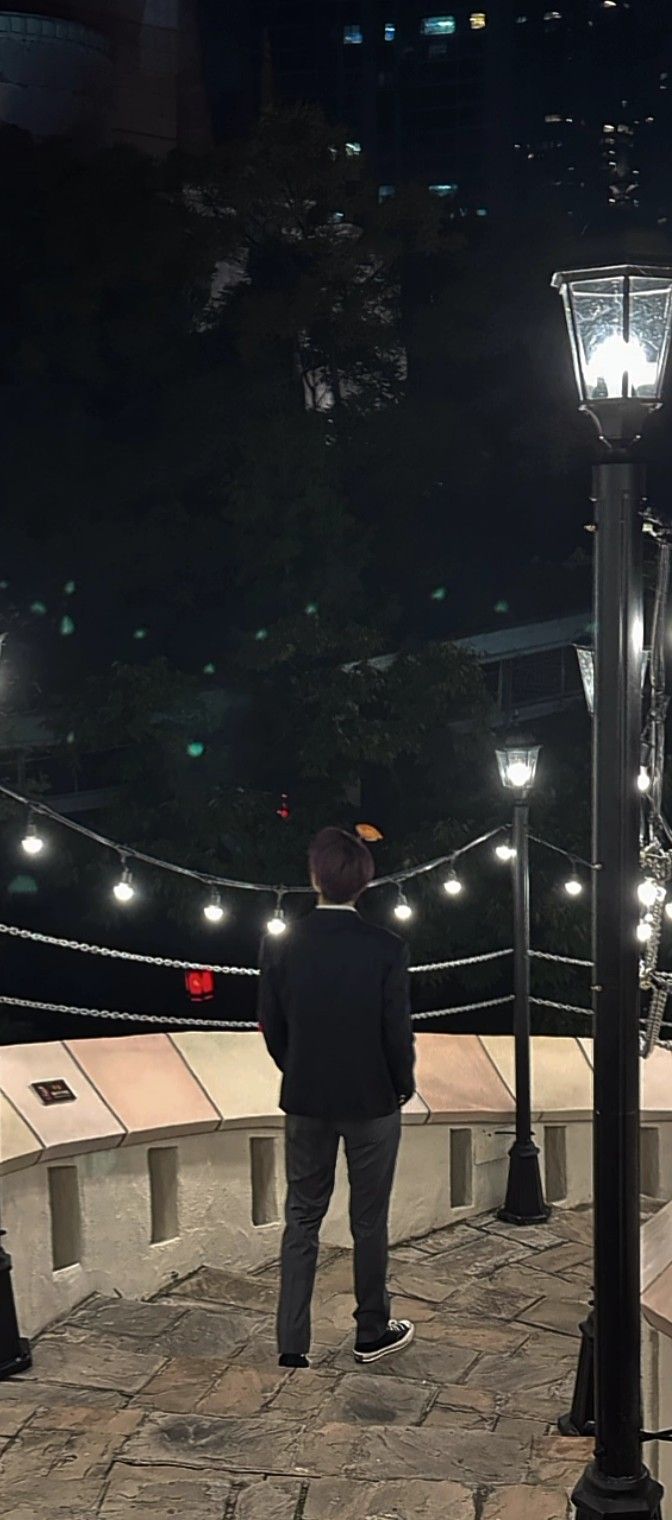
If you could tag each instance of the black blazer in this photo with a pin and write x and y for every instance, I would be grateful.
(334, 1009)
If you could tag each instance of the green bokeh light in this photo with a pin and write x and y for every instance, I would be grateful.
(67, 627)
(38, 608)
(195, 749)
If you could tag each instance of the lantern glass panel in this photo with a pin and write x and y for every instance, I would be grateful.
(518, 766)
(585, 655)
(619, 326)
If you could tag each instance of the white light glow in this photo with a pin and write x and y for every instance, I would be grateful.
(403, 910)
(615, 357)
(573, 887)
(643, 779)
(277, 925)
(213, 911)
(520, 774)
(504, 852)
(644, 930)
(32, 842)
(668, 908)
(649, 892)
(452, 885)
(123, 890)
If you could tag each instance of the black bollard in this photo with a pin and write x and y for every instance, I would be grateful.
(15, 1354)
(581, 1418)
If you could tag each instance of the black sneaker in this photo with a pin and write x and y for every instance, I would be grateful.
(399, 1333)
(289, 1359)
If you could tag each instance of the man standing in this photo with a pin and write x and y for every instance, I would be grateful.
(334, 1008)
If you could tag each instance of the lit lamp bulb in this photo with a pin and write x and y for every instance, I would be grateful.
(124, 890)
(504, 852)
(278, 923)
(32, 842)
(520, 774)
(573, 887)
(644, 929)
(452, 884)
(649, 892)
(614, 358)
(213, 910)
(668, 908)
(403, 910)
(643, 779)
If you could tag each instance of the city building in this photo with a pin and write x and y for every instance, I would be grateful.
(105, 71)
(487, 106)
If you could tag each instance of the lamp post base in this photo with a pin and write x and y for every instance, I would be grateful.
(19, 1362)
(597, 1497)
(525, 1203)
(581, 1418)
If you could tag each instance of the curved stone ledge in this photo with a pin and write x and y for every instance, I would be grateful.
(169, 1154)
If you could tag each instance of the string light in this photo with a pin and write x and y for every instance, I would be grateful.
(452, 885)
(649, 893)
(644, 930)
(403, 910)
(32, 842)
(277, 924)
(643, 779)
(213, 910)
(504, 852)
(573, 885)
(123, 889)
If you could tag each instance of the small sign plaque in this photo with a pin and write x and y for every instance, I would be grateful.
(56, 1091)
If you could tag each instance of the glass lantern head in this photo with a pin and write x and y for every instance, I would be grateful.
(585, 655)
(619, 321)
(517, 761)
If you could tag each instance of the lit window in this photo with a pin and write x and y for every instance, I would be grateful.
(443, 190)
(607, 128)
(390, 31)
(477, 21)
(520, 20)
(552, 118)
(482, 211)
(552, 16)
(438, 26)
(352, 35)
(386, 192)
(353, 149)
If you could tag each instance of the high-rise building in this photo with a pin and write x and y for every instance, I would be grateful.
(486, 104)
(104, 71)
(593, 116)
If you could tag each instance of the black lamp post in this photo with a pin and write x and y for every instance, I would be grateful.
(517, 761)
(619, 322)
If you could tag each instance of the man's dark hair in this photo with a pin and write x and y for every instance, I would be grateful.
(340, 865)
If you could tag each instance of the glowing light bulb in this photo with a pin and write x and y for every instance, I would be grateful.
(614, 358)
(644, 929)
(573, 887)
(504, 852)
(668, 908)
(403, 910)
(643, 779)
(520, 774)
(213, 910)
(277, 924)
(32, 842)
(452, 885)
(123, 890)
(648, 892)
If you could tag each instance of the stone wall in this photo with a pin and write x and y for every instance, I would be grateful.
(165, 1152)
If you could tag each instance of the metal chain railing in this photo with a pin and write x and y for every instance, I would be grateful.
(172, 1020)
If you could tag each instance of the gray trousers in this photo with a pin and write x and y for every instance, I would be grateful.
(311, 1148)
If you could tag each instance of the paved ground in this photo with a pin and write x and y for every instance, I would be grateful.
(178, 1408)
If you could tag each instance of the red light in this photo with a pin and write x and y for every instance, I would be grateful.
(284, 811)
(200, 985)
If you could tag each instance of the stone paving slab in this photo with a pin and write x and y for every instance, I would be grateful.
(177, 1407)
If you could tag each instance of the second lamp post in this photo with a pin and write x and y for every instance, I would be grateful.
(525, 1204)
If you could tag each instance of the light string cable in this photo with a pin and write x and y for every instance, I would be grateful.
(125, 852)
